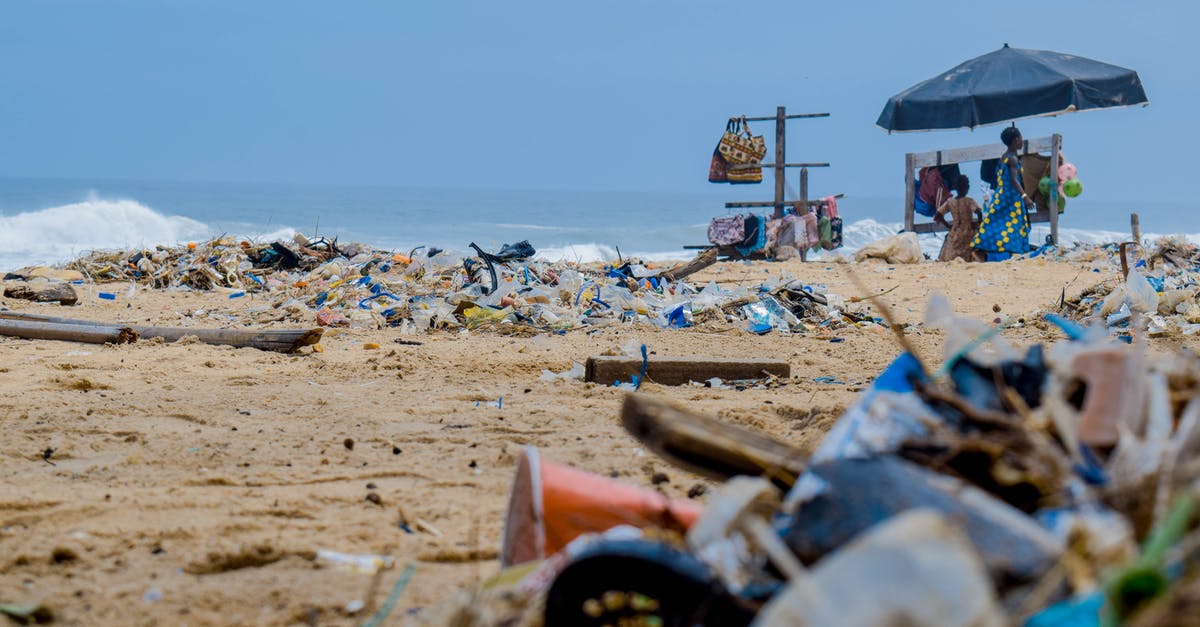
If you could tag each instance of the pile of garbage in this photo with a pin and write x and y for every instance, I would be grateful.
(1053, 485)
(1162, 285)
(510, 291)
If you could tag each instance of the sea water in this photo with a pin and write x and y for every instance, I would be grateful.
(54, 220)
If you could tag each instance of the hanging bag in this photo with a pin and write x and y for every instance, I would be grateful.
(742, 148)
(717, 172)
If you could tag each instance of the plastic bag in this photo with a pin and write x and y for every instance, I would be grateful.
(1140, 294)
(902, 248)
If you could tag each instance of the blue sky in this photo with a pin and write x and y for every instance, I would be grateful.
(554, 95)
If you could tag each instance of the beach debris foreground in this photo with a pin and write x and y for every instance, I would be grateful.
(997, 487)
(510, 292)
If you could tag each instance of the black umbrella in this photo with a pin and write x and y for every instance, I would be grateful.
(1009, 84)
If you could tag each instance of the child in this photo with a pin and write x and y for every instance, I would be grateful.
(966, 215)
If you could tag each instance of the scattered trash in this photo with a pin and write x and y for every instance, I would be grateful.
(509, 292)
(1000, 487)
(362, 564)
(27, 613)
(574, 373)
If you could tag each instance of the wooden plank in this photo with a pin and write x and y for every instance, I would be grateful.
(707, 446)
(934, 227)
(975, 153)
(750, 166)
(767, 203)
(86, 333)
(680, 370)
(279, 340)
(780, 158)
(793, 116)
(910, 192)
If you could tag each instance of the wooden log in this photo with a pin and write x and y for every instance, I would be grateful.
(43, 292)
(278, 340)
(1135, 227)
(680, 370)
(86, 333)
(707, 446)
(702, 261)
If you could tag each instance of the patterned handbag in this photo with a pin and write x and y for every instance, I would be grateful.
(716, 169)
(741, 147)
(727, 230)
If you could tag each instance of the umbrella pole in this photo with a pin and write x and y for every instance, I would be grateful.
(910, 193)
(1055, 159)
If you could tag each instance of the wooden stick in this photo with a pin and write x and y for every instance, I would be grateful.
(280, 340)
(702, 261)
(86, 333)
(680, 370)
(707, 446)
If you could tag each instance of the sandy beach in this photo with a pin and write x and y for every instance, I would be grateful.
(193, 484)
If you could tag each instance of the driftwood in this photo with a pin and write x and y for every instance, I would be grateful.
(279, 340)
(86, 333)
(680, 370)
(44, 292)
(707, 446)
(702, 261)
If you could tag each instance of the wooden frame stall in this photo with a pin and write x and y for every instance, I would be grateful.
(780, 165)
(915, 161)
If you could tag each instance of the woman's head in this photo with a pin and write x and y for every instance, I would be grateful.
(1010, 136)
(962, 185)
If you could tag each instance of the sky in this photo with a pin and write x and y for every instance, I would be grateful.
(616, 95)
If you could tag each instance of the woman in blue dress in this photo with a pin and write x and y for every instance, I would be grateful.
(1005, 228)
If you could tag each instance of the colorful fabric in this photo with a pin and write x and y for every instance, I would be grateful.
(756, 236)
(831, 206)
(933, 187)
(1005, 227)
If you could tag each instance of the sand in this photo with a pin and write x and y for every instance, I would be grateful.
(192, 484)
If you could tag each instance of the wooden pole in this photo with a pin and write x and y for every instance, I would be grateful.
(804, 186)
(280, 340)
(780, 128)
(86, 333)
(1055, 148)
(910, 192)
(1135, 227)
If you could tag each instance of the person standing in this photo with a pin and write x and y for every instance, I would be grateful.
(965, 212)
(1004, 230)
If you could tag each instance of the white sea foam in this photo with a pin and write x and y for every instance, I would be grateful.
(58, 234)
(599, 252)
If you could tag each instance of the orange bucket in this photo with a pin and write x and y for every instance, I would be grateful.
(552, 504)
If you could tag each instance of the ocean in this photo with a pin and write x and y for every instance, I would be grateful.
(45, 221)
